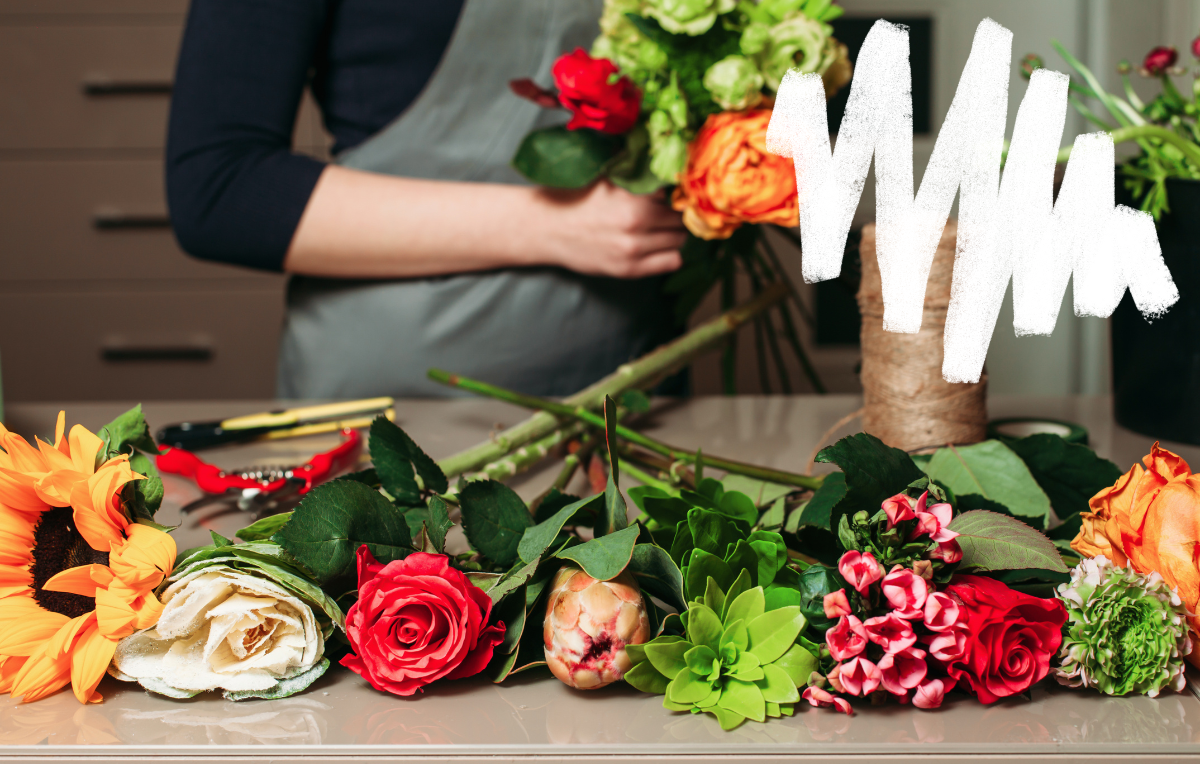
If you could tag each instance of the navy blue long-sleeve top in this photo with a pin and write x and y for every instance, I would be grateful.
(234, 188)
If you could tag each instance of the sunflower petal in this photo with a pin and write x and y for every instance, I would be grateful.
(17, 491)
(55, 488)
(40, 676)
(9, 666)
(84, 447)
(94, 526)
(59, 428)
(18, 608)
(83, 580)
(16, 538)
(30, 635)
(55, 459)
(114, 613)
(15, 575)
(145, 558)
(63, 641)
(25, 458)
(89, 661)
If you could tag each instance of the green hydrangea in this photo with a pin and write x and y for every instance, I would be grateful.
(737, 660)
(1125, 633)
(734, 82)
(690, 17)
(667, 126)
(797, 42)
(622, 43)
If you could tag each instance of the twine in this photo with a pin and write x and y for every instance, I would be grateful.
(906, 403)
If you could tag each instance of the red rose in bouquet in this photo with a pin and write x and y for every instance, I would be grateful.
(586, 87)
(417, 620)
(1009, 637)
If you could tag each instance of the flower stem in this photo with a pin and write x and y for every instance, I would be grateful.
(1141, 132)
(528, 455)
(584, 415)
(641, 373)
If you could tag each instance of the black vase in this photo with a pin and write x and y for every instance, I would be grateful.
(1156, 365)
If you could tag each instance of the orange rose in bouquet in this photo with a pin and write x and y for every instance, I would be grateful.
(732, 179)
(1150, 520)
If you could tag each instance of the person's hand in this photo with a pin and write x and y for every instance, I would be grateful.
(607, 231)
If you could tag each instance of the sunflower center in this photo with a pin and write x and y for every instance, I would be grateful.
(58, 546)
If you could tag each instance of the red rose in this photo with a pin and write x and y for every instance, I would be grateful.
(1010, 637)
(586, 88)
(1160, 59)
(417, 620)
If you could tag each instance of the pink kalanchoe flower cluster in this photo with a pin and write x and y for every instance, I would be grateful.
(933, 520)
(917, 617)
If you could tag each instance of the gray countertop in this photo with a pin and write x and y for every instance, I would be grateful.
(534, 717)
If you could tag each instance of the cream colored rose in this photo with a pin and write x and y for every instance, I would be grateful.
(226, 629)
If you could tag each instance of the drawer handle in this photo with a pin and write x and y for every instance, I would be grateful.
(102, 85)
(112, 219)
(118, 349)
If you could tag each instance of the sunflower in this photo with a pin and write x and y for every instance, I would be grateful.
(76, 576)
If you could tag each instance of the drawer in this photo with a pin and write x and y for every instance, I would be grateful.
(86, 86)
(149, 345)
(92, 6)
(71, 220)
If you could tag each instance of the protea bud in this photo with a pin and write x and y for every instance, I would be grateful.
(588, 624)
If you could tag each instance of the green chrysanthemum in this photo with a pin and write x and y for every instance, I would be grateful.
(734, 82)
(736, 661)
(1125, 633)
(690, 17)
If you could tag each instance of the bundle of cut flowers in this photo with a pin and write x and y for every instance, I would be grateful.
(901, 578)
(678, 95)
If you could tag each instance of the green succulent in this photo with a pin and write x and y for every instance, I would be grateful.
(737, 660)
(735, 83)
(689, 17)
(1125, 632)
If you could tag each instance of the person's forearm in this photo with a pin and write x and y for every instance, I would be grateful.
(360, 224)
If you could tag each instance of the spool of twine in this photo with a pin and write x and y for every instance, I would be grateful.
(906, 403)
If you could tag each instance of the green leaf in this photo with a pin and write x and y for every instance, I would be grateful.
(714, 532)
(739, 506)
(740, 585)
(714, 597)
(219, 540)
(992, 470)
(773, 632)
(771, 551)
(735, 634)
(704, 627)
(745, 699)
(147, 494)
(538, 538)
(819, 509)
(334, 520)
(749, 605)
(873, 472)
(773, 518)
(1069, 473)
(562, 158)
(399, 461)
(439, 523)
(129, 430)
(702, 567)
(367, 477)
(645, 677)
(494, 519)
(668, 511)
(991, 541)
(687, 688)
(682, 544)
(742, 557)
(639, 493)
(513, 583)
(657, 574)
(700, 661)
(666, 655)
(264, 528)
(777, 686)
(604, 558)
(778, 596)
(798, 663)
(634, 401)
(760, 492)
(482, 580)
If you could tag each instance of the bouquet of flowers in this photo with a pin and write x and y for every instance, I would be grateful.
(678, 95)
(1165, 129)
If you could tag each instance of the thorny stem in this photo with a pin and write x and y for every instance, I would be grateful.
(582, 414)
(637, 374)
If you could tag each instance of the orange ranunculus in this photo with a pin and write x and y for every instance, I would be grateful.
(76, 576)
(732, 179)
(1150, 520)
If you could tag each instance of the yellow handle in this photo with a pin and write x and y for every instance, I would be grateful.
(305, 414)
(322, 427)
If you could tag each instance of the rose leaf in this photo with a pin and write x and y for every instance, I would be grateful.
(1069, 473)
(562, 158)
(334, 520)
(992, 470)
(538, 538)
(605, 557)
(873, 472)
(494, 519)
(654, 570)
(398, 461)
(992, 541)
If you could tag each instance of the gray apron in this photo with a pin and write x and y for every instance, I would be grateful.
(542, 331)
